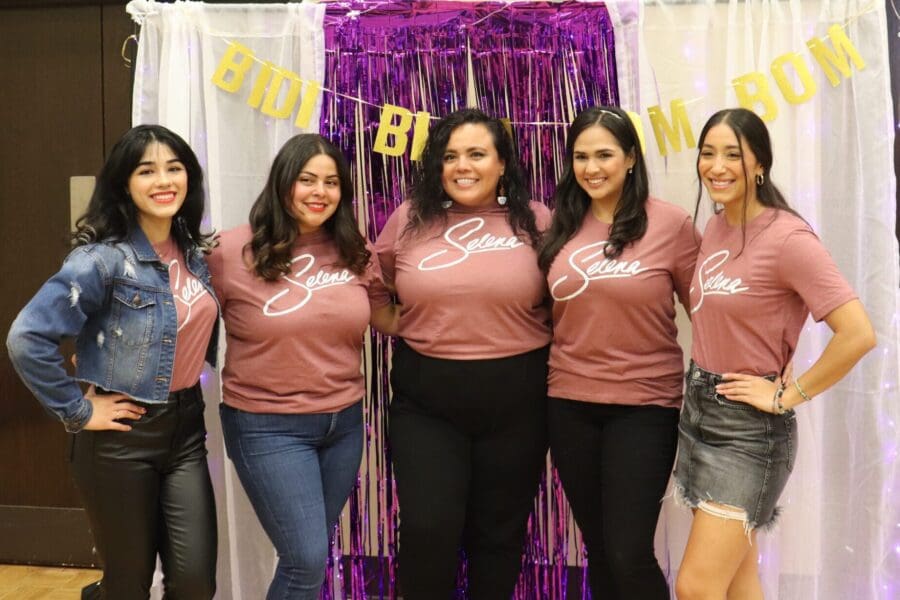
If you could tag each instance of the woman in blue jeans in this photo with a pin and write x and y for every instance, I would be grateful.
(298, 289)
(135, 295)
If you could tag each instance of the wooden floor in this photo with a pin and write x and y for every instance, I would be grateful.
(43, 583)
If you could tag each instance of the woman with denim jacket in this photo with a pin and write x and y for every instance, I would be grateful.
(135, 294)
(761, 271)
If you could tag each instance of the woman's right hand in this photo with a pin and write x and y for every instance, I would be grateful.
(108, 408)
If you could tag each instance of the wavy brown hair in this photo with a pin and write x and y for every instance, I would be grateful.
(428, 194)
(572, 202)
(111, 213)
(274, 227)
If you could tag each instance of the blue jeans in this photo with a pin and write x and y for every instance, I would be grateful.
(297, 470)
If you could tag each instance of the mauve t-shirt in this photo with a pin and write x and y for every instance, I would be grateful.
(614, 333)
(293, 344)
(470, 289)
(196, 312)
(751, 294)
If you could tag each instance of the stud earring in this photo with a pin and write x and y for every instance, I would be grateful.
(446, 204)
(760, 179)
(630, 170)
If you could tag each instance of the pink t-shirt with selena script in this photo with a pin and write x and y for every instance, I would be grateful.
(614, 333)
(469, 289)
(293, 344)
(196, 312)
(750, 298)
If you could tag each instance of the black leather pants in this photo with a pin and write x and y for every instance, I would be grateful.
(147, 492)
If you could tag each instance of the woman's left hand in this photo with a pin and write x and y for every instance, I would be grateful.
(386, 319)
(758, 392)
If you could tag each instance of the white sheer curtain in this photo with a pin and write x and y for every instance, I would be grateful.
(839, 535)
(180, 47)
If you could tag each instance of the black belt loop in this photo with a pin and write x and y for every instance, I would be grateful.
(185, 394)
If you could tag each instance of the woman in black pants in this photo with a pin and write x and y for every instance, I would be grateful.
(135, 294)
(615, 259)
(467, 419)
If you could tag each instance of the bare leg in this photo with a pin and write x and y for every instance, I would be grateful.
(746, 584)
(716, 551)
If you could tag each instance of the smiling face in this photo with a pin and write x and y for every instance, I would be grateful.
(158, 186)
(316, 193)
(472, 167)
(728, 170)
(600, 166)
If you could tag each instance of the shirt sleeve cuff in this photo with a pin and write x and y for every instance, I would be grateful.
(81, 416)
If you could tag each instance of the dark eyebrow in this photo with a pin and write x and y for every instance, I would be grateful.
(145, 163)
(311, 174)
(605, 149)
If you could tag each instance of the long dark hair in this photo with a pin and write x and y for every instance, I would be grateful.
(111, 213)
(572, 202)
(275, 229)
(747, 126)
(428, 194)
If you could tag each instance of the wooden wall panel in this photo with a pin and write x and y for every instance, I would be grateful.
(51, 108)
(64, 96)
(117, 77)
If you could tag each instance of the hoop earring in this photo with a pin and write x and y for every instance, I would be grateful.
(760, 179)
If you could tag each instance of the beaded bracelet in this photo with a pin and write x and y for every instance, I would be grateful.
(777, 406)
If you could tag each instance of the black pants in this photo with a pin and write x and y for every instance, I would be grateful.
(614, 462)
(468, 442)
(146, 492)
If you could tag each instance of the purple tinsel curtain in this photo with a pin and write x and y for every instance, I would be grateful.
(539, 64)
(534, 63)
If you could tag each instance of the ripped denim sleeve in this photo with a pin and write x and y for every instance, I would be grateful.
(58, 311)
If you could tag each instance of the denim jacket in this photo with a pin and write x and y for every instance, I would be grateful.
(115, 299)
